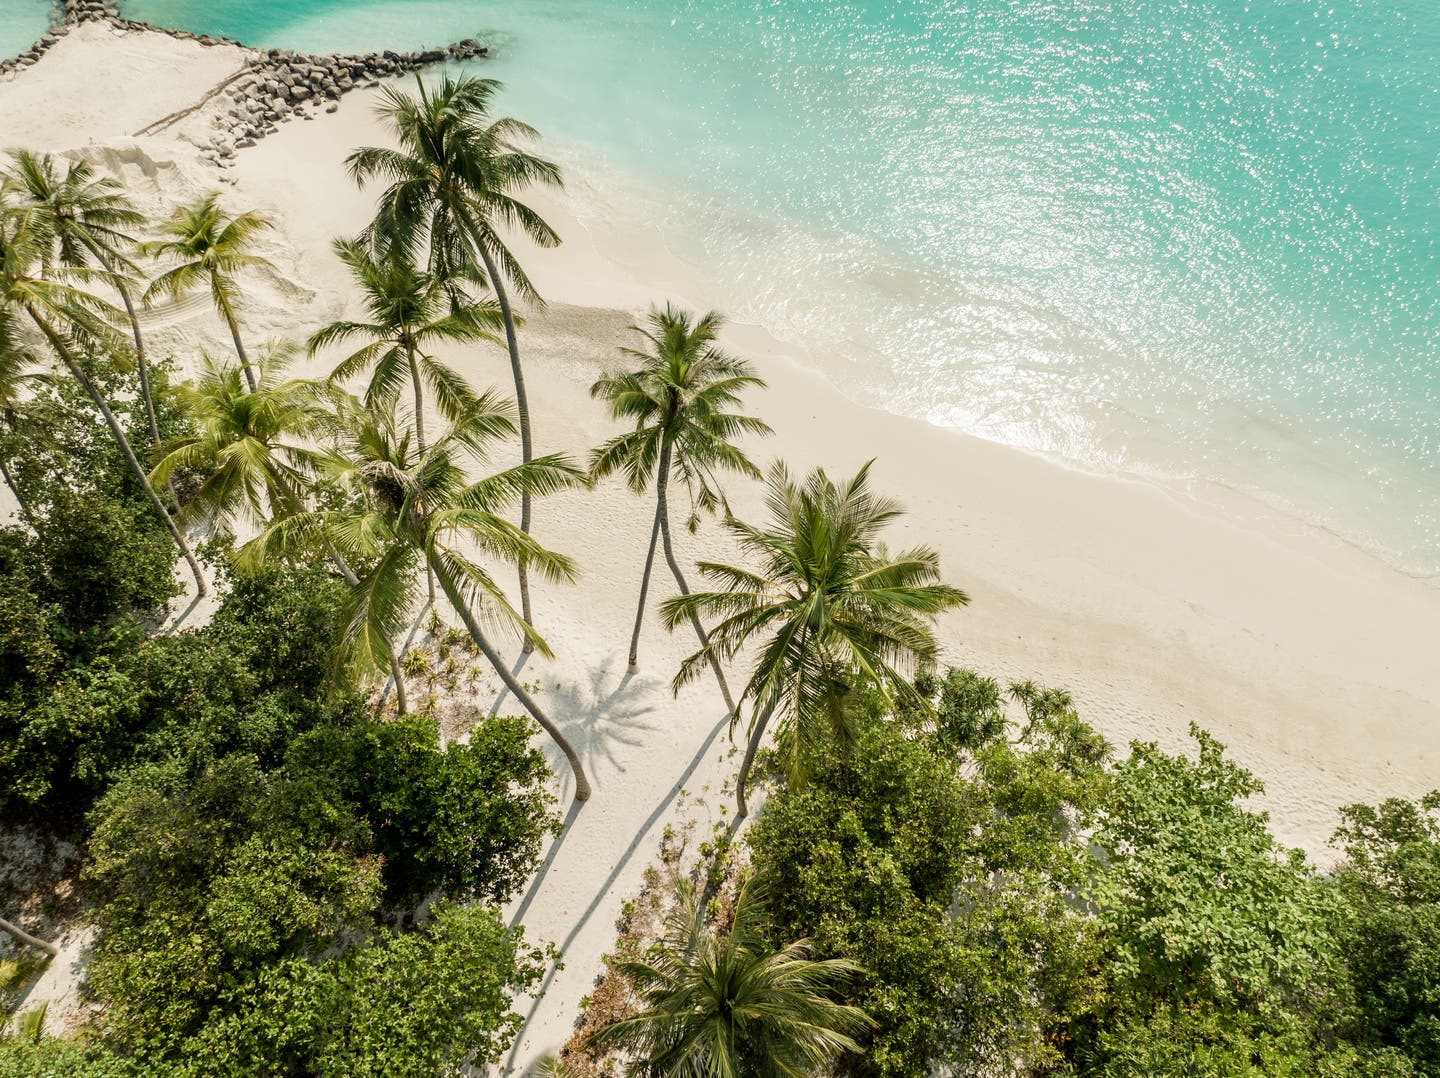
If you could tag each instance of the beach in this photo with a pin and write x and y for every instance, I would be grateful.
(1156, 608)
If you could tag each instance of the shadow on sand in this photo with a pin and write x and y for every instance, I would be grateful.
(604, 889)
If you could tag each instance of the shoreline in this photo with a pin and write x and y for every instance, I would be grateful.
(1310, 659)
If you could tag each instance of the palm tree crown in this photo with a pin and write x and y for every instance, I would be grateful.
(253, 449)
(88, 217)
(453, 179)
(409, 310)
(210, 250)
(680, 396)
(827, 604)
(721, 1004)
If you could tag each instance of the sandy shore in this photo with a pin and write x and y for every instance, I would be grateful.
(1313, 661)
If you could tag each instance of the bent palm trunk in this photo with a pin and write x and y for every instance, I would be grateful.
(25, 937)
(234, 327)
(522, 408)
(582, 784)
(757, 734)
(142, 365)
(118, 433)
(24, 506)
(644, 591)
(662, 484)
(419, 390)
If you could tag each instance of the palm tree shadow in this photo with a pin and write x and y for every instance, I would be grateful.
(178, 622)
(597, 721)
(565, 829)
(604, 889)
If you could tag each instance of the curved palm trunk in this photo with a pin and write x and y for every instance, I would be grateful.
(419, 390)
(118, 433)
(662, 486)
(522, 408)
(142, 365)
(24, 506)
(25, 937)
(644, 591)
(582, 784)
(757, 734)
(229, 316)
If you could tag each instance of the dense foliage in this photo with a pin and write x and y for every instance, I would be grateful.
(1022, 903)
(257, 835)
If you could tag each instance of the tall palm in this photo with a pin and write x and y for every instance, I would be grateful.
(90, 222)
(210, 250)
(680, 399)
(410, 310)
(409, 512)
(722, 1004)
(826, 604)
(452, 185)
(74, 323)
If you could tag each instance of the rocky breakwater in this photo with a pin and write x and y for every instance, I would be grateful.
(58, 22)
(281, 85)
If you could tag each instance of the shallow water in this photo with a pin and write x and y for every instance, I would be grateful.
(1193, 240)
(21, 24)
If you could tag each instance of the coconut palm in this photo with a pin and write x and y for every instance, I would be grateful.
(681, 399)
(452, 184)
(209, 250)
(827, 604)
(75, 324)
(721, 1004)
(90, 222)
(410, 512)
(254, 451)
(25, 937)
(410, 310)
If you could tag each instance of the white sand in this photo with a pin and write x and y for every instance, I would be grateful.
(1314, 662)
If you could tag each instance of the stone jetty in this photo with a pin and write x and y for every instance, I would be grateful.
(276, 86)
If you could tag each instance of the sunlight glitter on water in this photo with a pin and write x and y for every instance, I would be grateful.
(1192, 240)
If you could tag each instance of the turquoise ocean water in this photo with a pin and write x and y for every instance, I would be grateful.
(1191, 239)
(21, 24)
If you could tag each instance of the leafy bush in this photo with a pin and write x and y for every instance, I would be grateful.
(1388, 923)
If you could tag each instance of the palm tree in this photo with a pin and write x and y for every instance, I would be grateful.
(410, 512)
(89, 220)
(255, 453)
(70, 318)
(827, 604)
(452, 184)
(679, 399)
(252, 450)
(720, 1004)
(410, 309)
(25, 937)
(210, 250)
